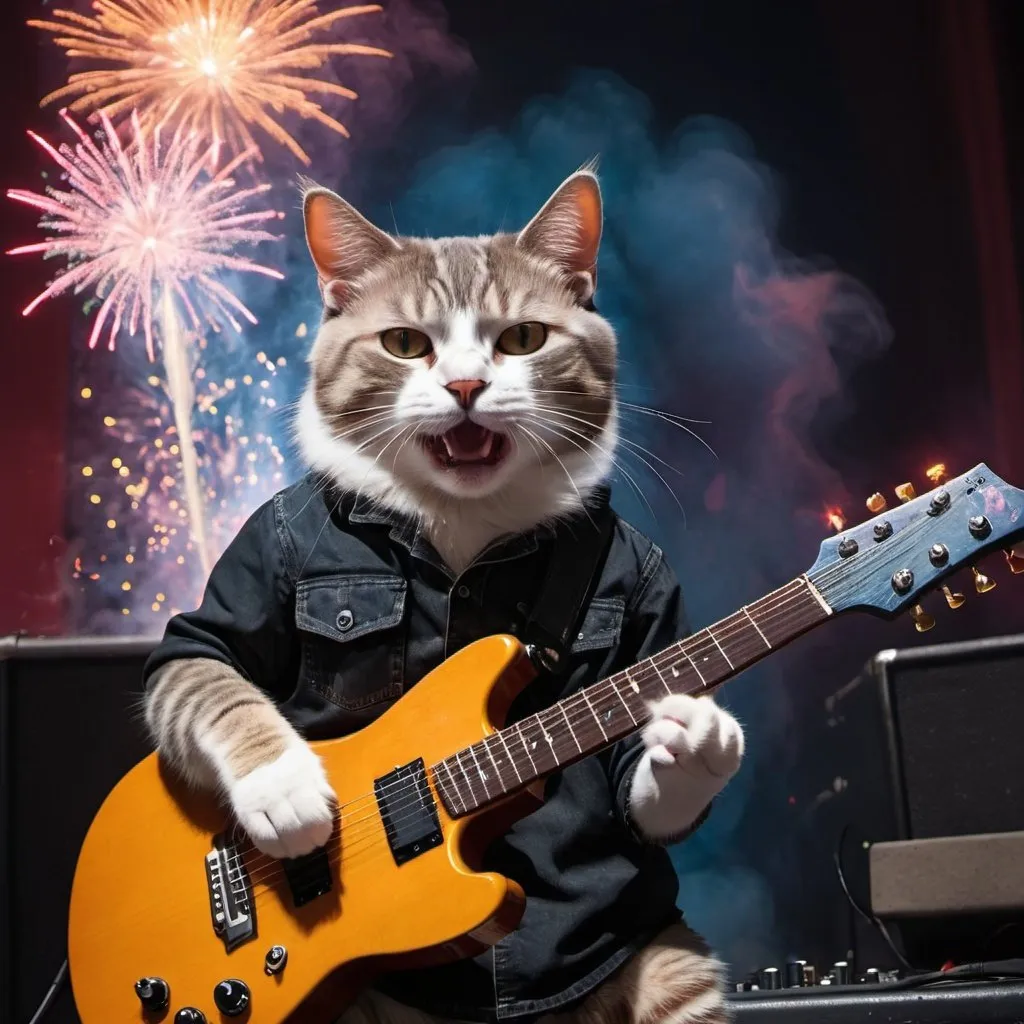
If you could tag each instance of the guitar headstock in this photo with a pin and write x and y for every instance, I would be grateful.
(886, 564)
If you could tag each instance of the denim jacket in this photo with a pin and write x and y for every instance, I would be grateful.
(335, 609)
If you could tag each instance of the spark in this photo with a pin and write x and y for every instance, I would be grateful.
(218, 67)
(936, 473)
(834, 518)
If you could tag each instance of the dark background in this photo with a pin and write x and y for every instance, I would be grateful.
(893, 132)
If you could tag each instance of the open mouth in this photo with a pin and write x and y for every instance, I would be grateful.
(467, 445)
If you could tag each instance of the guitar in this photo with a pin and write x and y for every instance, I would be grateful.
(174, 915)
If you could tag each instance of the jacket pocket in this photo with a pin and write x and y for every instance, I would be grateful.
(353, 638)
(601, 627)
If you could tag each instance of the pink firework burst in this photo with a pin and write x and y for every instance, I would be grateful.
(145, 220)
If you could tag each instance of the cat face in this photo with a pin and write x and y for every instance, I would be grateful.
(466, 370)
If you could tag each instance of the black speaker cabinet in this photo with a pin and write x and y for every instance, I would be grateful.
(948, 881)
(954, 717)
(70, 727)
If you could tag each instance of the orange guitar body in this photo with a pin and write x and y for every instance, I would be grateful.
(140, 903)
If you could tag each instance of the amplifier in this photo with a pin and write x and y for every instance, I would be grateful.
(954, 719)
(951, 878)
(978, 1003)
(69, 729)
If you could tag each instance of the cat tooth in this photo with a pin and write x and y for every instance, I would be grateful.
(447, 446)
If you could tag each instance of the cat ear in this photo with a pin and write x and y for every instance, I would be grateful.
(567, 231)
(342, 242)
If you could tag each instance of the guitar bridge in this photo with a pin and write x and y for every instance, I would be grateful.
(230, 889)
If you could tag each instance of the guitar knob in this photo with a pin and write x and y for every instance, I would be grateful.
(231, 997)
(153, 993)
(770, 978)
(189, 1015)
(843, 972)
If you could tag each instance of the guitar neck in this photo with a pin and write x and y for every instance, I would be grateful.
(602, 714)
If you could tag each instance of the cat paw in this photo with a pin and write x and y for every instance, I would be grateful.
(287, 807)
(696, 735)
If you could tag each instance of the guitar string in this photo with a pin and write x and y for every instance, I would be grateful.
(561, 730)
(563, 727)
(372, 842)
(353, 827)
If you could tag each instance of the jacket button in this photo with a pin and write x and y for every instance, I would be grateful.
(463, 591)
(345, 620)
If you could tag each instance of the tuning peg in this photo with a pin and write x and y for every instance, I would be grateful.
(876, 503)
(1014, 561)
(906, 492)
(953, 600)
(982, 583)
(922, 620)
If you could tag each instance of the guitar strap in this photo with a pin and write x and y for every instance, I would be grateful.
(577, 557)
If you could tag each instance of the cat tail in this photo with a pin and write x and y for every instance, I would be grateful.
(211, 724)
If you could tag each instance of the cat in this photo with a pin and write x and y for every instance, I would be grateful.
(542, 392)
(468, 383)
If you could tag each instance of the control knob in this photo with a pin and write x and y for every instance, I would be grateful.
(795, 973)
(153, 993)
(231, 997)
(770, 978)
(189, 1015)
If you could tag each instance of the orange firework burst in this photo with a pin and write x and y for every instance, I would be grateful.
(936, 473)
(215, 67)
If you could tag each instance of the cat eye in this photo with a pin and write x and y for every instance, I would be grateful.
(522, 339)
(405, 343)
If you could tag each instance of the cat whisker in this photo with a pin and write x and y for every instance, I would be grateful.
(633, 406)
(556, 429)
(536, 450)
(568, 475)
(621, 439)
(636, 454)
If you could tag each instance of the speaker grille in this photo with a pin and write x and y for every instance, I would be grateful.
(960, 728)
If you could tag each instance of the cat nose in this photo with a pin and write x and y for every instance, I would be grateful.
(465, 391)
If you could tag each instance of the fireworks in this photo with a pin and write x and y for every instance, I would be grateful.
(145, 229)
(139, 223)
(221, 67)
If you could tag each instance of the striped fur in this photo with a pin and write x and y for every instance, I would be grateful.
(674, 980)
(220, 731)
(365, 413)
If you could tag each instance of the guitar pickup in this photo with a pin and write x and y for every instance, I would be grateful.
(230, 890)
(408, 811)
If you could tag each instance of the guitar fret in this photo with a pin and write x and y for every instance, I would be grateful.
(454, 794)
(668, 689)
(620, 695)
(700, 675)
(522, 740)
(569, 724)
(497, 770)
(719, 646)
(757, 627)
(595, 714)
(511, 759)
(481, 773)
(469, 783)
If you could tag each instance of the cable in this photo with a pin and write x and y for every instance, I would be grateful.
(837, 858)
(51, 995)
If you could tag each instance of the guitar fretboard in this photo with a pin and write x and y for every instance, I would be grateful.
(606, 712)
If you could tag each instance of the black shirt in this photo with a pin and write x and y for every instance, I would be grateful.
(335, 609)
